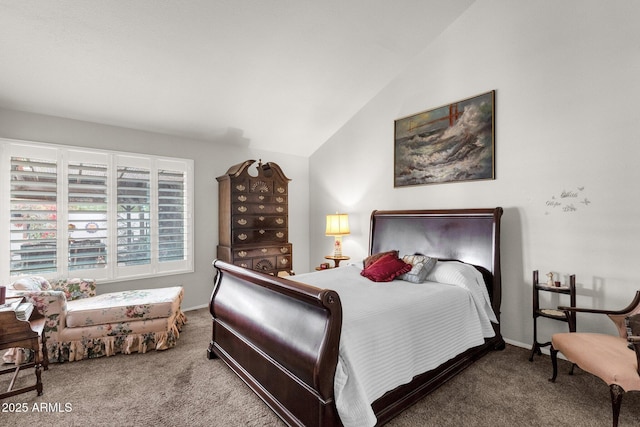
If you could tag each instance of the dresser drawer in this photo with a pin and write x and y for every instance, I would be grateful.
(253, 252)
(258, 209)
(260, 235)
(259, 186)
(245, 263)
(260, 198)
(259, 221)
(240, 186)
(283, 261)
(265, 264)
(279, 189)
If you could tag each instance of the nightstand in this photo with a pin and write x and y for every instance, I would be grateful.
(337, 259)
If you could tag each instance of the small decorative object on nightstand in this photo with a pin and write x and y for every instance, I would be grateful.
(551, 313)
(550, 279)
(323, 266)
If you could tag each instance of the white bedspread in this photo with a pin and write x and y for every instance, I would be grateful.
(395, 330)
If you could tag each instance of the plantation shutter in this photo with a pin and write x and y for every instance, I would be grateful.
(33, 213)
(172, 205)
(87, 214)
(134, 215)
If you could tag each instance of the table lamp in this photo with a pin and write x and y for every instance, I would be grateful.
(337, 226)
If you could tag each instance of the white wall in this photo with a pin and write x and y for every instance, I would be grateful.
(566, 80)
(211, 159)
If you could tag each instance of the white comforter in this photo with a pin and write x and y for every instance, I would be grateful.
(395, 330)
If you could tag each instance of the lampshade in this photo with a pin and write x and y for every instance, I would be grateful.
(337, 225)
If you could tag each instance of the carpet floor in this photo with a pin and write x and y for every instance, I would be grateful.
(181, 387)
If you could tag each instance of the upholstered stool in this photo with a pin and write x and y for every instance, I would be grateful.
(80, 324)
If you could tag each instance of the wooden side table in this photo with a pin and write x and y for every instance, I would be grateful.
(551, 313)
(337, 259)
(18, 333)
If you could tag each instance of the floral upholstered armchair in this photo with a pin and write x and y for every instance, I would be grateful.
(80, 324)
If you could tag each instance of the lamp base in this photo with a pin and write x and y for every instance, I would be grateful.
(337, 246)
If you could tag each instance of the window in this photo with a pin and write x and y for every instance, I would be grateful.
(107, 215)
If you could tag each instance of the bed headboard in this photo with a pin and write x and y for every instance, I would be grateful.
(467, 235)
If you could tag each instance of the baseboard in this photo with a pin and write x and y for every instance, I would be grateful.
(544, 350)
(198, 307)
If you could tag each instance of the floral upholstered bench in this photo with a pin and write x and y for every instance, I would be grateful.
(81, 325)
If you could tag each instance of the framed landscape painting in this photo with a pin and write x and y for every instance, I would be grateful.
(451, 143)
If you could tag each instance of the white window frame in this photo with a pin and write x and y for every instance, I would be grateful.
(63, 154)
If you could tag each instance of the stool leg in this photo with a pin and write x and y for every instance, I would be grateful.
(554, 363)
(616, 400)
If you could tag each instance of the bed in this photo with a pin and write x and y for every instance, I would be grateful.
(283, 337)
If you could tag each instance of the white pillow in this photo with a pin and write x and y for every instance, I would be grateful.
(465, 276)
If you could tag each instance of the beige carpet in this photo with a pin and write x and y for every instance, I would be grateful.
(181, 387)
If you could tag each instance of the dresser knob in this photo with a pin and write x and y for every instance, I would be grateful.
(242, 209)
(242, 254)
(280, 234)
(261, 231)
(280, 209)
(280, 190)
(241, 187)
(263, 250)
(242, 236)
(279, 221)
(242, 221)
(284, 249)
(242, 198)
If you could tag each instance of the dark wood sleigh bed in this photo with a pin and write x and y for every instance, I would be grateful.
(282, 337)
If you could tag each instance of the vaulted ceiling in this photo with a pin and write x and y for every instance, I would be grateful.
(283, 75)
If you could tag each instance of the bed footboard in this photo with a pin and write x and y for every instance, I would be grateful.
(282, 338)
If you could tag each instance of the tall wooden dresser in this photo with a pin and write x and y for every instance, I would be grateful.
(253, 218)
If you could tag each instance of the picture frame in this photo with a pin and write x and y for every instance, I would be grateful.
(451, 143)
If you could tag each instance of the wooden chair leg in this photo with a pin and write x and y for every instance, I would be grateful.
(616, 401)
(554, 363)
(38, 379)
(534, 350)
(45, 353)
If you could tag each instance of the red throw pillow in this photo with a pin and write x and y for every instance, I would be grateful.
(386, 268)
(375, 257)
